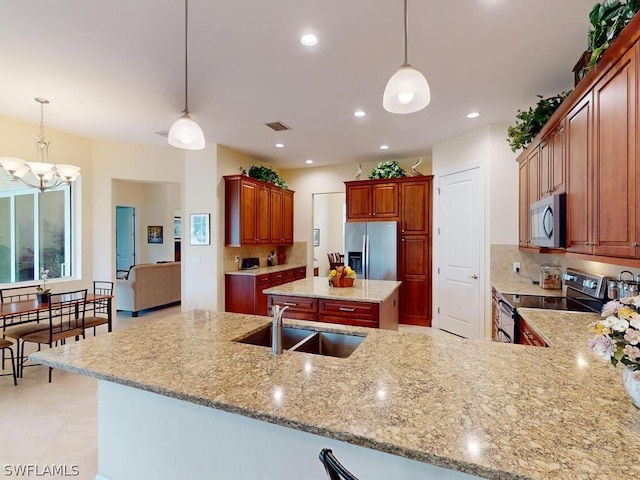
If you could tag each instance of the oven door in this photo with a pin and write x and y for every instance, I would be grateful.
(506, 323)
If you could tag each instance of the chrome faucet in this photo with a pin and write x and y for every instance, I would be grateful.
(276, 329)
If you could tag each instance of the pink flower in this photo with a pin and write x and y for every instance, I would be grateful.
(602, 345)
(632, 336)
(610, 308)
(632, 352)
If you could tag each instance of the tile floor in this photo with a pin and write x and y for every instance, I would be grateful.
(51, 424)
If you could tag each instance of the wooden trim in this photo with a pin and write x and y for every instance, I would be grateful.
(625, 262)
(552, 251)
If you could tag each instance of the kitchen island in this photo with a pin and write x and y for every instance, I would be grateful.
(179, 398)
(369, 303)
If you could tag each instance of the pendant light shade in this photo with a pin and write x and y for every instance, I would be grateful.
(185, 132)
(407, 91)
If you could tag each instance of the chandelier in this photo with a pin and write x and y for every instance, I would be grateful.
(40, 174)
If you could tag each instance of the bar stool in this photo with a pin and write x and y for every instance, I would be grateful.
(7, 345)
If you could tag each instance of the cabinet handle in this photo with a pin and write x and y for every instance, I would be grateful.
(290, 304)
(403, 239)
(374, 214)
(345, 309)
(634, 244)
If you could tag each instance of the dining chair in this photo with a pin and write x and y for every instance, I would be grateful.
(7, 345)
(335, 470)
(18, 325)
(65, 320)
(99, 309)
(335, 260)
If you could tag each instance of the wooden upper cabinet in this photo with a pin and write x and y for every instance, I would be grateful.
(416, 207)
(579, 176)
(533, 164)
(257, 212)
(523, 204)
(372, 200)
(615, 161)
(552, 164)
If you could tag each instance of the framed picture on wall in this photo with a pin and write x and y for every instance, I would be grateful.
(200, 229)
(316, 237)
(154, 234)
(177, 228)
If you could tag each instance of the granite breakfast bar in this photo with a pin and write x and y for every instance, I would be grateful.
(179, 398)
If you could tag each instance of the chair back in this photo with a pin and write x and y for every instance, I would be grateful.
(19, 294)
(66, 314)
(335, 260)
(101, 287)
(335, 470)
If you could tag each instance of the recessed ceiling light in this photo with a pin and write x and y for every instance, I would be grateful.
(359, 113)
(384, 147)
(308, 161)
(309, 40)
(279, 145)
(473, 115)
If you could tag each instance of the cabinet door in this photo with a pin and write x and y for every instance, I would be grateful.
(615, 160)
(534, 175)
(248, 212)
(415, 209)
(546, 158)
(385, 201)
(579, 173)
(495, 315)
(263, 219)
(359, 202)
(287, 217)
(277, 227)
(262, 282)
(415, 290)
(523, 203)
(556, 166)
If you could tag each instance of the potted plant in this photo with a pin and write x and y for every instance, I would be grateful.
(530, 122)
(266, 174)
(607, 20)
(388, 169)
(42, 292)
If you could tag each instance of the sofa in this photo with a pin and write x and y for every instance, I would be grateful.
(147, 286)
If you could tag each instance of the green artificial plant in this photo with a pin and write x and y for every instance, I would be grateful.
(530, 122)
(388, 169)
(266, 174)
(607, 21)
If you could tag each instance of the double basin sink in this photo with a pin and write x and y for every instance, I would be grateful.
(308, 341)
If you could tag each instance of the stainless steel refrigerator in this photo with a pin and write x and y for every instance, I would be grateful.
(371, 249)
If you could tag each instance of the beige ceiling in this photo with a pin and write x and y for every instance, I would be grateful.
(114, 69)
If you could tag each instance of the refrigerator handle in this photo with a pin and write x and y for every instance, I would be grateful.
(368, 258)
(364, 256)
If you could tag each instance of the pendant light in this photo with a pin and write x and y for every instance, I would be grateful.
(407, 91)
(185, 133)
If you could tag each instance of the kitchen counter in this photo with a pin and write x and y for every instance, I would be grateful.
(372, 291)
(263, 270)
(525, 288)
(489, 409)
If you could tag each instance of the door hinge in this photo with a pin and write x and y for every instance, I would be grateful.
(438, 191)
(438, 270)
(438, 309)
(438, 230)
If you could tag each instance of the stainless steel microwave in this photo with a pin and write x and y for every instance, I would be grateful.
(547, 221)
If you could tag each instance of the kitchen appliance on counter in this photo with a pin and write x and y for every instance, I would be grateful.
(585, 293)
(250, 263)
(547, 221)
(625, 288)
(371, 249)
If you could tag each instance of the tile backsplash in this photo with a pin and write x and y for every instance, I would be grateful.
(503, 256)
(296, 254)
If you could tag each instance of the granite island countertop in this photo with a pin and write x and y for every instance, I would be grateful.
(490, 409)
(253, 272)
(372, 291)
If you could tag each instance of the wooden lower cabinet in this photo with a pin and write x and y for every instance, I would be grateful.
(359, 314)
(528, 336)
(495, 314)
(300, 308)
(243, 293)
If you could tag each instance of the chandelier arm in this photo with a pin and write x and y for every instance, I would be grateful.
(186, 56)
(406, 27)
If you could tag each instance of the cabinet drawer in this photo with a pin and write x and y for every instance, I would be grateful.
(299, 304)
(278, 278)
(354, 321)
(262, 280)
(299, 273)
(529, 337)
(356, 310)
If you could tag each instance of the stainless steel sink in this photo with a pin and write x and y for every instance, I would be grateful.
(308, 341)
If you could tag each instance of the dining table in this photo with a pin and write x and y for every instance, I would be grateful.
(24, 310)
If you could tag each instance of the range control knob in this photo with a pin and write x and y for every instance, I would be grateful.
(570, 278)
(589, 283)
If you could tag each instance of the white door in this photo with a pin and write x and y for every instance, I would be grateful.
(125, 237)
(460, 243)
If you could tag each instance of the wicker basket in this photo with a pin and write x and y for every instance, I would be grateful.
(342, 282)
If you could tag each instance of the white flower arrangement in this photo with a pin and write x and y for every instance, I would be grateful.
(617, 336)
(44, 274)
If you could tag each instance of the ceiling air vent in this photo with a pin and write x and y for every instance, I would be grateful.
(277, 126)
(163, 133)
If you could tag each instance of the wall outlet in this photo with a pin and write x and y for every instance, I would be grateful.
(237, 259)
(516, 267)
